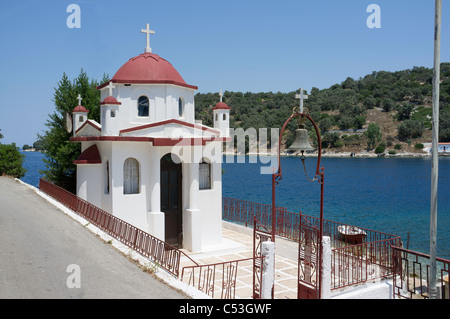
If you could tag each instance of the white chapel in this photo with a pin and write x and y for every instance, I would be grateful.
(148, 161)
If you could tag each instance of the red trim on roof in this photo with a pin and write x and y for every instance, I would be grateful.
(91, 124)
(157, 141)
(111, 101)
(221, 106)
(80, 109)
(171, 121)
(90, 155)
(148, 82)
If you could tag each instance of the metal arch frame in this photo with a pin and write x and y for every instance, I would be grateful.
(277, 175)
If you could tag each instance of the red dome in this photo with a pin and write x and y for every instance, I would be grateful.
(221, 106)
(80, 109)
(110, 100)
(148, 68)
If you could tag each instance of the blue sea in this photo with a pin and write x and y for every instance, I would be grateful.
(390, 195)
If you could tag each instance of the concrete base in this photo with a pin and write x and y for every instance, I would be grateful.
(156, 224)
(192, 240)
(226, 247)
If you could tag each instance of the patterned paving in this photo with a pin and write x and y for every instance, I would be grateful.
(285, 265)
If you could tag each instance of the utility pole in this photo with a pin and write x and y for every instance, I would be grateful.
(434, 148)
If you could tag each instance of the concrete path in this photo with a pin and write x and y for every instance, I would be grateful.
(46, 254)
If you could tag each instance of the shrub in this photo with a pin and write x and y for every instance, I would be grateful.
(380, 148)
(418, 146)
(398, 146)
(11, 161)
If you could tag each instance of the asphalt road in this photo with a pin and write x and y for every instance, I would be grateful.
(46, 254)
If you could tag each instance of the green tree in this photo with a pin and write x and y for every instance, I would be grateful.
(326, 123)
(60, 151)
(345, 122)
(410, 129)
(373, 135)
(331, 139)
(444, 126)
(404, 111)
(11, 160)
(359, 121)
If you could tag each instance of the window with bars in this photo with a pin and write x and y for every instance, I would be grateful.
(204, 175)
(131, 176)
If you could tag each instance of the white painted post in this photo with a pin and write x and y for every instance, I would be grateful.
(155, 218)
(326, 267)
(434, 148)
(268, 269)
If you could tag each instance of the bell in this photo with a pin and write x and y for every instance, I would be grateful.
(300, 141)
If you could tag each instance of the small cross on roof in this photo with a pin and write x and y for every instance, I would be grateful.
(79, 99)
(148, 32)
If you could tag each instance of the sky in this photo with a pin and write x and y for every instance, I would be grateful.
(245, 46)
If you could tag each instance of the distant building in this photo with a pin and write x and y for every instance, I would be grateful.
(443, 148)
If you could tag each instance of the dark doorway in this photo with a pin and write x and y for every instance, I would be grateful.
(171, 200)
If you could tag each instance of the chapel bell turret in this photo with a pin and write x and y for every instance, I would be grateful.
(300, 141)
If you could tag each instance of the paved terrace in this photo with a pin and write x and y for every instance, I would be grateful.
(286, 270)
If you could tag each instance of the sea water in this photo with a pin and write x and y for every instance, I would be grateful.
(390, 195)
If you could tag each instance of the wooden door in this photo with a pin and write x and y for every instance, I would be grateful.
(171, 200)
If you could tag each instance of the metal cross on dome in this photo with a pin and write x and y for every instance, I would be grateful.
(79, 99)
(302, 97)
(148, 32)
(221, 95)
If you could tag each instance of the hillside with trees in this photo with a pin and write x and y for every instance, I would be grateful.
(382, 112)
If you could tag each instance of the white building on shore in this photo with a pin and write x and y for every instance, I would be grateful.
(148, 162)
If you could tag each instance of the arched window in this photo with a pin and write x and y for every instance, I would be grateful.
(107, 178)
(180, 107)
(143, 106)
(204, 175)
(130, 176)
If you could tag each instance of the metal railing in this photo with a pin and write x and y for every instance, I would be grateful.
(411, 275)
(351, 263)
(160, 252)
(218, 280)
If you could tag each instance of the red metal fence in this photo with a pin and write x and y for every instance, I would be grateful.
(411, 273)
(165, 255)
(351, 263)
(219, 279)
